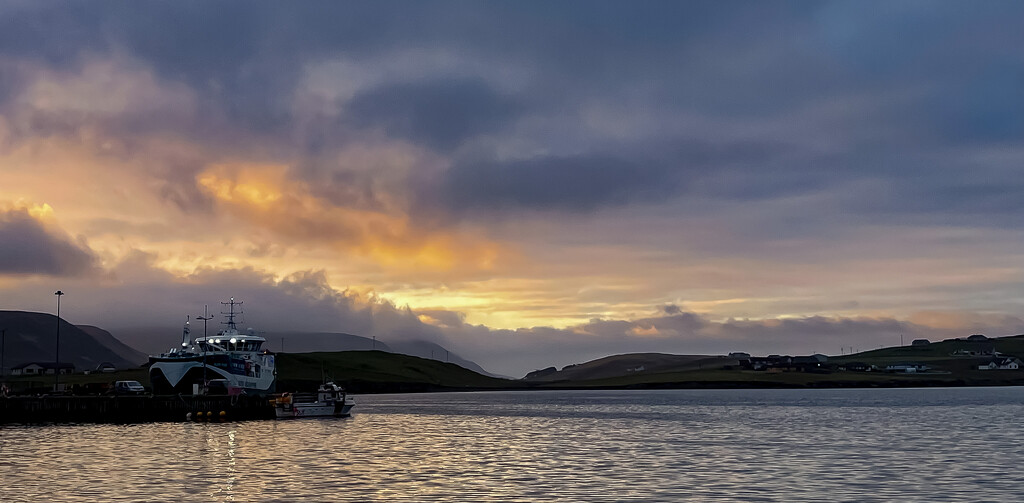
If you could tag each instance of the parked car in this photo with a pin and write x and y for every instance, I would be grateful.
(128, 388)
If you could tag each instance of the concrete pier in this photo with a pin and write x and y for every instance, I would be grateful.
(132, 409)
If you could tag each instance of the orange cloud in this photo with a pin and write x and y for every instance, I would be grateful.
(266, 196)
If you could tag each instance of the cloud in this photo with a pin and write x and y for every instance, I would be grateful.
(575, 183)
(306, 301)
(29, 246)
(532, 163)
(268, 198)
(442, 113)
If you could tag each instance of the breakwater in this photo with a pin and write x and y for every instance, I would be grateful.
(131, 409)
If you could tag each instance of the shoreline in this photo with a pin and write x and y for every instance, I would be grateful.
(61, 409)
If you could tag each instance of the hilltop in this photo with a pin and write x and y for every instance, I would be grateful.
(152, 340)
(378, 371)
(32, 336)
(948, 363)
(629, 365)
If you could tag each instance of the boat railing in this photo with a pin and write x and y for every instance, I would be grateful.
(304, 397)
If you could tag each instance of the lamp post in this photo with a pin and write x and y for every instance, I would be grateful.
(205, 317)
(56, 357)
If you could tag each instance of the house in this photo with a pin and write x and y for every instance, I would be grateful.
(858, 367)
(778, 363)
(106, 367)
(739, 355)
(977, 338)
(807, 363)
(976, 350)
(769, 362)
(1001, 364)
(40, 368)
(906, 368)
(920, 342)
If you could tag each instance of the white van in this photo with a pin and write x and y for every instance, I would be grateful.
(128, 388)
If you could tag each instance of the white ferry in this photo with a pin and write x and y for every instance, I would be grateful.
(235, 357)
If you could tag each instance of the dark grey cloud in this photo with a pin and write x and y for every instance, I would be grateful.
(588, 182)
(26, 247)
(671, 309)
(857, 91)
(579, 183)
(441, 113)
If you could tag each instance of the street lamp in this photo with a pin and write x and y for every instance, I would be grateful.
(56, 357)
(205, 317)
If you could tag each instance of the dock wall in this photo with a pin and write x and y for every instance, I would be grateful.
(131, 409)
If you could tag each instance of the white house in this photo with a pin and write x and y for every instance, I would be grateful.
(1001, 364)
(906, 368)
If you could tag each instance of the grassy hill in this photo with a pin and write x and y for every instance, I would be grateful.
(940, 355)
(357, 371)
(951, 362)
(32, 337)
(630, 365)
(378, 371)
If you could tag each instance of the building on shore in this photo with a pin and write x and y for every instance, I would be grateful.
(42, 368)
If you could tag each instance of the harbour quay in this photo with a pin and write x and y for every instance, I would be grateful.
(132, 409)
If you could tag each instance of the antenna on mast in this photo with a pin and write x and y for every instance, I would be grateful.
(231, 313)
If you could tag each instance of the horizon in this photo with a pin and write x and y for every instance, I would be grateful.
(528, 184)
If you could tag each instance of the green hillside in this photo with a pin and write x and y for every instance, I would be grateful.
(357, 371)
(952, 363)
(940, 355)
(378, 371)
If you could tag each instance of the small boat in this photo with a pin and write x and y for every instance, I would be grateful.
(330, 401)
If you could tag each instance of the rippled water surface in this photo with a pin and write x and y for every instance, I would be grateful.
(682, 445)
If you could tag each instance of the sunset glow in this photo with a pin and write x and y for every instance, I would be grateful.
(661, 178)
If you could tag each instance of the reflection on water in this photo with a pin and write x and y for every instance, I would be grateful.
(726, 445)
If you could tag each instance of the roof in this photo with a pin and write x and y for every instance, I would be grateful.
(45, 365)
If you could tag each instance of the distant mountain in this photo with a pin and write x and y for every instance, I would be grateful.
(629, 364)
(112, 343)
(427, 349)
(144, 340)
(307, 342)
(152, 340)
(31, 337)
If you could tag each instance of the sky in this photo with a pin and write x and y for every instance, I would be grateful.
(529, 183)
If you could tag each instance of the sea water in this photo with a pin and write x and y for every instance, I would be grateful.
(927, 445)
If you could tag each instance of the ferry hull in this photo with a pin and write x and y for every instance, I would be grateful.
(177, 377)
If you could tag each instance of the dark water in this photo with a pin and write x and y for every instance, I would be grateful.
(724, 445)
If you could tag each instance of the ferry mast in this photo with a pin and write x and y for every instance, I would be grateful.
(231, 313)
